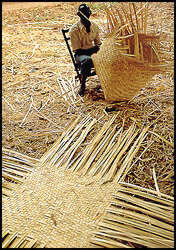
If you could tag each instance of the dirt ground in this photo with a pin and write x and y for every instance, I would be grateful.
(7, 6)
(35, 62)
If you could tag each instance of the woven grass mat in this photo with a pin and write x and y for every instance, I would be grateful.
(58, 205)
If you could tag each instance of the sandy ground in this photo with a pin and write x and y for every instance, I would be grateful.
(6, 6)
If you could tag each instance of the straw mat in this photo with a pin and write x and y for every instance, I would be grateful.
(56, 208)
(61, 199)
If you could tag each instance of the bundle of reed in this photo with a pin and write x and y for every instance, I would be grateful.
(130, 55)
(137, 216)
(15, 168)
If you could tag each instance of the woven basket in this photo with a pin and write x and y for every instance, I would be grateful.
(121, 77)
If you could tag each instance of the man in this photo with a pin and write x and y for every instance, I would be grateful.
(85, 41)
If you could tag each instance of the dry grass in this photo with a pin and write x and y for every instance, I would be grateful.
(34, 113)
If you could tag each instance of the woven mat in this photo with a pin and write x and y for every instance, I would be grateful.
(56, 205)
(57, 208)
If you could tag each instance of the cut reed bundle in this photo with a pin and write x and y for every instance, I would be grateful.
(14, 240)
(108, 155)
(130, 56)
(137, 216)
(15, 167)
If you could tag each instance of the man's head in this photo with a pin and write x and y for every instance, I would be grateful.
(84, 13)
(84, 8)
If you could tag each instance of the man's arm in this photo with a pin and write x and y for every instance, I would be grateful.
(97, 40)
(88, 52)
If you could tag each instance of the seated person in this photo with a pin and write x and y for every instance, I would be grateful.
(85, 41)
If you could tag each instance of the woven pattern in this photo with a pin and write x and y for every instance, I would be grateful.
(120, 78)
(56, 208)
(63, 198)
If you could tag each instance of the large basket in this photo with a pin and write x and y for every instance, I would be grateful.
(120, 75)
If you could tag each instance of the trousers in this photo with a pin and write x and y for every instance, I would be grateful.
(85, 63)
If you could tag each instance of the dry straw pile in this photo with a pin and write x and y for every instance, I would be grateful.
(131, 54)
